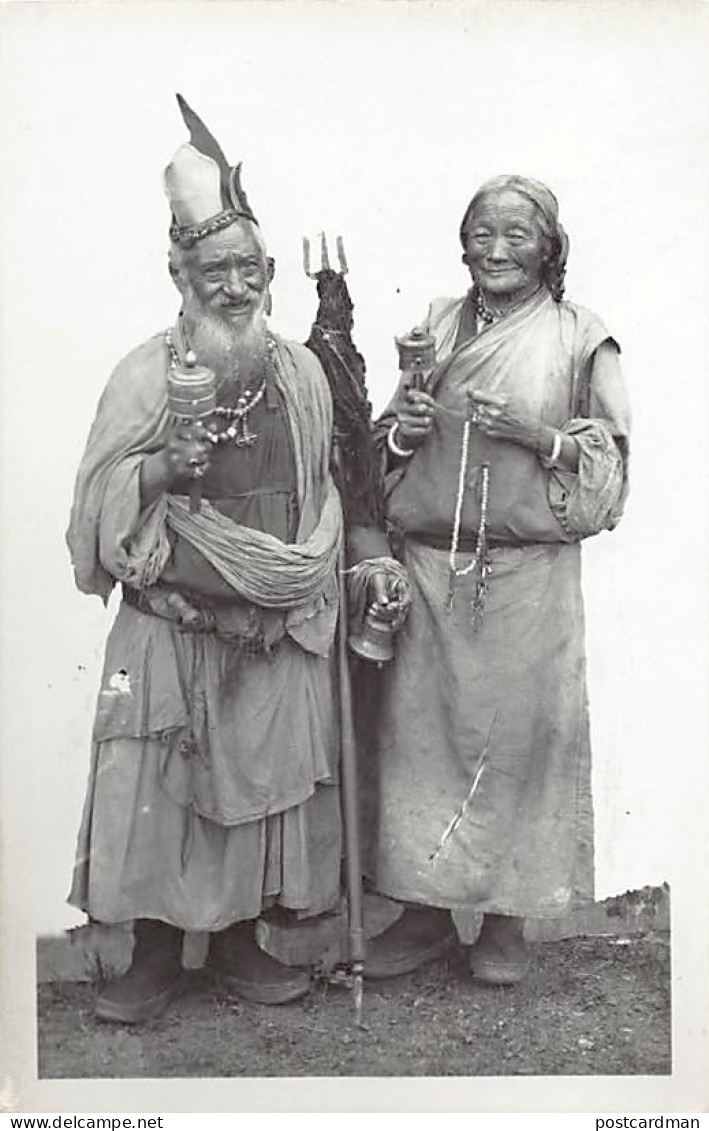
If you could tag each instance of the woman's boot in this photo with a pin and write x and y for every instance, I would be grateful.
(418, 936)
(501, 955)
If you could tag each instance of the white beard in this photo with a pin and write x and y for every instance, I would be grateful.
(235, 354)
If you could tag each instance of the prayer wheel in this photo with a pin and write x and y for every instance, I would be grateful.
(191, 398)
(191, 392)
(417, 356)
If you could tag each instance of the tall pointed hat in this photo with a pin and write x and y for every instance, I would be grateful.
(204, 190)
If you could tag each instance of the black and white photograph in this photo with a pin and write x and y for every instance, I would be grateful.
(355, 631)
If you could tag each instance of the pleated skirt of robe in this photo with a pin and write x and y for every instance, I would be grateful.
(484, 790)
(142, 855)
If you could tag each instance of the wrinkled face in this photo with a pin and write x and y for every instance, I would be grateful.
(505, 248)
(227, 273)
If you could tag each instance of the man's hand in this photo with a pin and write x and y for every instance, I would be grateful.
(184, 456)
(389, 598)
(415, 419)
(186, 451)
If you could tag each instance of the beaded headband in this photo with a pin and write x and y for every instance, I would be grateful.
(204, 190)
(186, 237)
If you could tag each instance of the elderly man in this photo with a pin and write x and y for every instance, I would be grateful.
(212, 794)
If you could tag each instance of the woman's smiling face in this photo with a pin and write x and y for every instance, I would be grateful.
(505, 247)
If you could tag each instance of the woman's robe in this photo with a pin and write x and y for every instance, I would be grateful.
(483, 756)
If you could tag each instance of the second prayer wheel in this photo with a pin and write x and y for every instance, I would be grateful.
(417, 354)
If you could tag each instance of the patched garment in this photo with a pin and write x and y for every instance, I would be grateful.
(484, 793)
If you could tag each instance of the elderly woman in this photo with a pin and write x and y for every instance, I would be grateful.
(515, 451)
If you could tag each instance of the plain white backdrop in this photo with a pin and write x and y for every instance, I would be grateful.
(376, 121)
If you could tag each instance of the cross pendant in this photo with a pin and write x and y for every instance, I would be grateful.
(245, 438)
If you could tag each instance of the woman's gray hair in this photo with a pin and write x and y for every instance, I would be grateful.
(547, 208)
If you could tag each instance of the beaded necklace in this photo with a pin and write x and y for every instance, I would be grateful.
(482, 310)
(488, 315)
(238, 430)
(479, 566)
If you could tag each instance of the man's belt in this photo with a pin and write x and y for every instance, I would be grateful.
(238, 624)
(170, 604)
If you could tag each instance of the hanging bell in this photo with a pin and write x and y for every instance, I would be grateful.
(375, 642)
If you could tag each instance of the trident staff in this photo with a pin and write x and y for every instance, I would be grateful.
(373, 586)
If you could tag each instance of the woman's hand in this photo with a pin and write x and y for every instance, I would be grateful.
(495, 416)
(415, 418)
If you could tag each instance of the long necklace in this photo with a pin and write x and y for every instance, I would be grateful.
(479, 566)
(238, 430)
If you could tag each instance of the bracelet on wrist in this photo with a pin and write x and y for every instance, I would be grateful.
(402, 453)
(552, 459)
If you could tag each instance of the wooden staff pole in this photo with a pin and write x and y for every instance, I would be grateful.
(350, 805)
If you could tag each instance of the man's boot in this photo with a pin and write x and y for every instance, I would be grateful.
(418, 936)
(501, 955)
(243, 969)
(153, 980)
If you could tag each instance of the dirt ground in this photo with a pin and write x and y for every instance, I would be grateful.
(593, 1006)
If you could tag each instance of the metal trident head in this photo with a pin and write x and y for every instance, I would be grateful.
(324, 256)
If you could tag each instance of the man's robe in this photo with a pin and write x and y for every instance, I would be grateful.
(213, 783)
